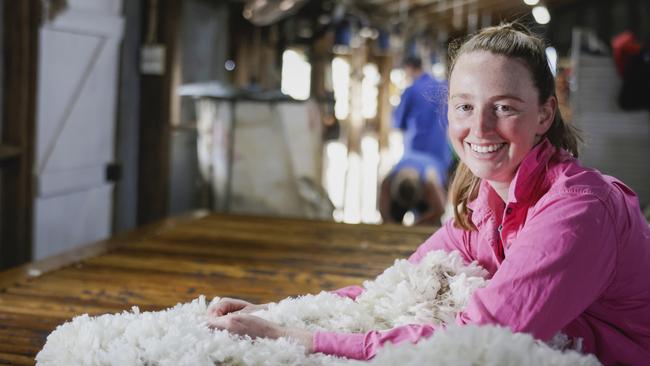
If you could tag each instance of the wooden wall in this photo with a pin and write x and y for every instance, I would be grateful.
(20, 25)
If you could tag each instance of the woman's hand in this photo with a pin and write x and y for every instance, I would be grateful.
(256, 327)
(226, 305)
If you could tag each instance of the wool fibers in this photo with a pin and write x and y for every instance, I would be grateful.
(430, 292)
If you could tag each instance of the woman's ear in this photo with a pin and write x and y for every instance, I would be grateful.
(546, 115)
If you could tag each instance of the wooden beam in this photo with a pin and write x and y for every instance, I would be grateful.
(21, 23)
(501, 10)
(157, 108)
(437, 14)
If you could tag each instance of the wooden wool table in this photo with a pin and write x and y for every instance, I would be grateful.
(178, 259)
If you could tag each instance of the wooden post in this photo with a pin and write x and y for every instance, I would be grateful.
(356, 121)
(270, 73)
(321, 60)
(242, 60)
(384, 108)
(21, 22)
(157, 107)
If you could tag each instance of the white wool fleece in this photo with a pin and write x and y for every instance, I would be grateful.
(432, 291)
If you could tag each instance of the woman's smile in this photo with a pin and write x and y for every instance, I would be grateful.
(486, 151)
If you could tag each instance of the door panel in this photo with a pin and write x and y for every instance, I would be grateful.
(71, 219)
(75, 125)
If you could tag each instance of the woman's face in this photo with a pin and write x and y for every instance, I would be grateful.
(495, 117)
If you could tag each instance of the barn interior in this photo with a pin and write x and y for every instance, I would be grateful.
(155, 150)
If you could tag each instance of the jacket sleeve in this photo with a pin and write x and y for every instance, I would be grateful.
(560, 263)
(349, 291)
(364, 346)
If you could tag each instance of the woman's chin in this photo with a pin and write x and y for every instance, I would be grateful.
(490, 173)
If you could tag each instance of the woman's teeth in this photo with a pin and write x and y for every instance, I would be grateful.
(485, 149)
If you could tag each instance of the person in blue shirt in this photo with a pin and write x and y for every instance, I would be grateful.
(417, 181)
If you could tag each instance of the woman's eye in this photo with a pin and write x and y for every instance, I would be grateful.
(464, 108)
(502, 108)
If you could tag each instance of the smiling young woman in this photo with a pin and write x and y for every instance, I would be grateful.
(508, 73)
(566, 247)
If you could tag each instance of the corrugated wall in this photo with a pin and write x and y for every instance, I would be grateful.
(618, 142)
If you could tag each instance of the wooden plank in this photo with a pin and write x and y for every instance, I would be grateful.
(28, 323)
(35, 269)
(12, 342)
(13, 359)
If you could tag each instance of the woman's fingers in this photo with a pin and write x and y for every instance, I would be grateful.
(251, 308)
(256, 327)
(244, 324)
(227, 305)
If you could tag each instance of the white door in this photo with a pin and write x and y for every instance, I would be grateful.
(75, 125)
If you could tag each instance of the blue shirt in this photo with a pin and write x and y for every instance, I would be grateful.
(421, 162)
(422, 116)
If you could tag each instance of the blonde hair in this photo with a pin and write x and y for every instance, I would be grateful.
(516, 41)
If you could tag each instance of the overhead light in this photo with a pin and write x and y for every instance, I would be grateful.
(541, 14)
(531, 2)
(365, 32)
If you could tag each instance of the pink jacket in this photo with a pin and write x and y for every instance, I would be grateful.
(570, 252)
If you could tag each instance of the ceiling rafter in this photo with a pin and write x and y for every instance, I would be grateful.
(441, 13)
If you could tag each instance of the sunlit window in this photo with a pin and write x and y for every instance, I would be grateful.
(369, 91)
(370, 164)
(341, 85)
(398, 83)
(352, 208)
(439, 71)
(335, 168)
(398, 77)
(296, 74)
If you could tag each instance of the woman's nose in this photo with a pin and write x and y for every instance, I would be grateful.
(483, 124)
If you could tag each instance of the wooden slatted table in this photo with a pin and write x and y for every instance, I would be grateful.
(176, 260)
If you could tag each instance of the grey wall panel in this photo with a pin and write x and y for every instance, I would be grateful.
(126, 151)
(617, 141)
